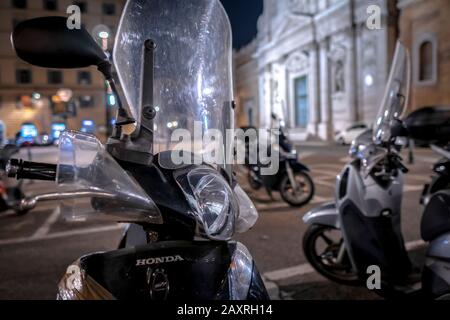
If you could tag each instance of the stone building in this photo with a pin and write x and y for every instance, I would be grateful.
(318, 63)
(425, 30)
(32, 94)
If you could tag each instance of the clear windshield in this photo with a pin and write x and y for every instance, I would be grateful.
(395, 96)
(192, 76)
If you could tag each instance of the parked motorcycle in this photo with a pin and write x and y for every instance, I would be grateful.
(362, 229)
(182, 215)
(10, 191)
(441, 179)
(292, 179)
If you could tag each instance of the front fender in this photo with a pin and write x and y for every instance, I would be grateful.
(326, 214)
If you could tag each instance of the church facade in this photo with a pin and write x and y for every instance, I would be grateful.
(316, 63)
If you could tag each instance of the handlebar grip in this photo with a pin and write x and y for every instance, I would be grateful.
(19, 169)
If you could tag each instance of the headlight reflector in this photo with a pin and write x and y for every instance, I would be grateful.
(213, 201)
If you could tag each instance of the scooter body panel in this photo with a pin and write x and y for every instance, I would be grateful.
(369, 216)
(325, 215)
(436, 278)
(173, 270)
(440, 247)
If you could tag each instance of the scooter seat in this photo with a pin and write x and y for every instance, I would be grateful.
(436, 216)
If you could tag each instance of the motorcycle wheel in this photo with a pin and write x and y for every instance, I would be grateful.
(254, 184)
(321, 246)
(303, 195)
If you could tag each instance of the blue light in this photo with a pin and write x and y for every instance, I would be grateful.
(57, 129)
(111, 100)
(28, 131)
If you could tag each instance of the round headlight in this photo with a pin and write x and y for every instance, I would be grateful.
(215, 204)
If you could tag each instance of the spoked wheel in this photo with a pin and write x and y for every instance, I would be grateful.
(302, 194)
(323, 247)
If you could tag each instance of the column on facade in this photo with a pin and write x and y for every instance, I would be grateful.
(265, 97)
(279, 89)
(325, 126)
(352, 79)
(314, 90)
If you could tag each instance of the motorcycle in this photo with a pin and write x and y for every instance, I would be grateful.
(292, 180)
(173, 60)
(361, 230)
(10, 192)
(441, 179)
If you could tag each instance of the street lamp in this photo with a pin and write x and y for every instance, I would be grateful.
(102, 33)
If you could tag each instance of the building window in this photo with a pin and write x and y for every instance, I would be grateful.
(425, 57)
(250, 117)
(54, 77)
(301, 102)
(19, 4)
(24, 76)
(84, 78)
(82, 5)
(86, 101)
(50, 5)
(109, 9)
(426, 61)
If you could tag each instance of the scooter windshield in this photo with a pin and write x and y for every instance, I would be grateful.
(395, 96)
(192, 71)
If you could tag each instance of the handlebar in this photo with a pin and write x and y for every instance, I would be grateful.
(19, 169)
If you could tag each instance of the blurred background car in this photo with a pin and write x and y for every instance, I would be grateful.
(345, 137)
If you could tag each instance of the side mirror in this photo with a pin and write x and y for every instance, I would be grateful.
(48, 42)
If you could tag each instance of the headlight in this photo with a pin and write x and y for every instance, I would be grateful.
(213, 202)
(247, 211)
(240, 273)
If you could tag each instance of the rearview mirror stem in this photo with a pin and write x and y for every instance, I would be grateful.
(122, 117)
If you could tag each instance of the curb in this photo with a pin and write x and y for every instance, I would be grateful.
(272, 289)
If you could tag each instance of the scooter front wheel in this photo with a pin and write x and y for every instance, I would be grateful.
(304, 192)
(324, 249)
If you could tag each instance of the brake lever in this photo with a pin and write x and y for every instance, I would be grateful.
(30, 203)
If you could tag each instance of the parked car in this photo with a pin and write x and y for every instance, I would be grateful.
(346, 136)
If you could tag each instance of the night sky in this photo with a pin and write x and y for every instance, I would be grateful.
(243, 16)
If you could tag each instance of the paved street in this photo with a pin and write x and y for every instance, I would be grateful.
(36, 249)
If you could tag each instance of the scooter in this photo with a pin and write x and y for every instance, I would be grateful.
(292, 179)
(365, 217)
(182, 215)
(10, 191)
(441, 179)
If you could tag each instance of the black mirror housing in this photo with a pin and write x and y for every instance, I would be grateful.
(48, 42)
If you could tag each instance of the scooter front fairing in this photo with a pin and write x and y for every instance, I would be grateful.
(176, 270)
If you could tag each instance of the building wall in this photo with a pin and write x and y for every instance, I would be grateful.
(11, 112)
(328, 42)
(422, 20)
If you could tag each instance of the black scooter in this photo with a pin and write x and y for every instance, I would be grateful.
(182, 216)
(441, 178)
(292, 179)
